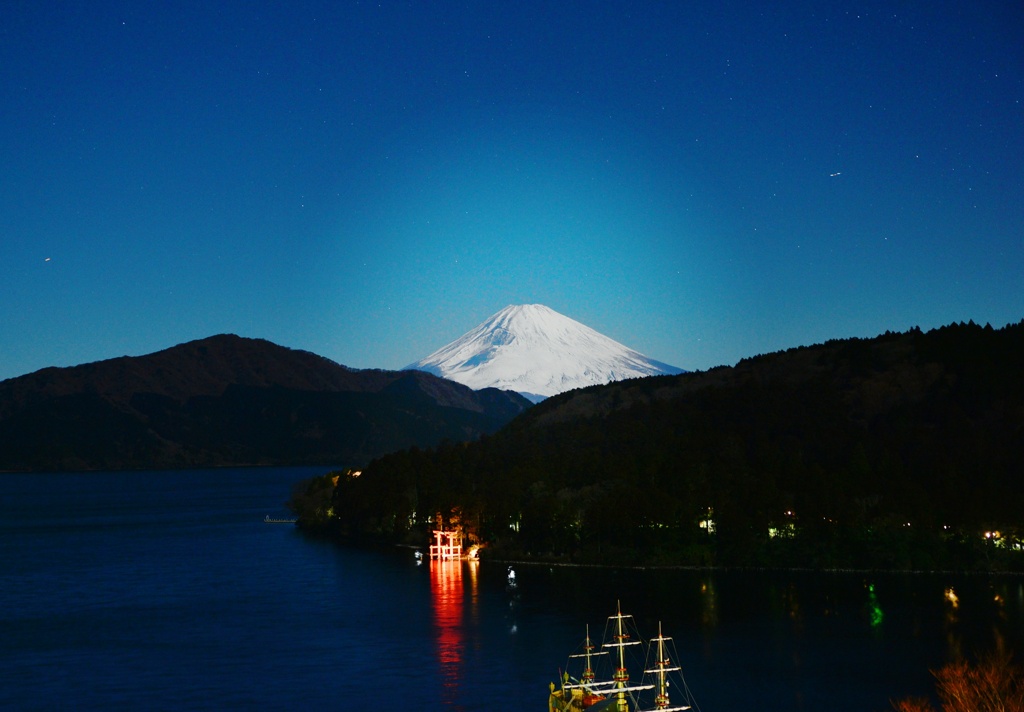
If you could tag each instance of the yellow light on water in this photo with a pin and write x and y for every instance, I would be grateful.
(952, 598)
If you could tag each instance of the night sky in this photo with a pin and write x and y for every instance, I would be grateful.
(702, 182)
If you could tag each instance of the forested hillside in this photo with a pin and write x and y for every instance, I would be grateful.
(906, 450)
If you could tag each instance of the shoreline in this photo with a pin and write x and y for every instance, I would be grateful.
(742, 569)
(756, 569)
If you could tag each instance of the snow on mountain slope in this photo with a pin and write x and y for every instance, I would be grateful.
(537, 352)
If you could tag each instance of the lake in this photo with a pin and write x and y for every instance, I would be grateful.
(167, 590)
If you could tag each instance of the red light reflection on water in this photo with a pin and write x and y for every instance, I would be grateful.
(448, 598)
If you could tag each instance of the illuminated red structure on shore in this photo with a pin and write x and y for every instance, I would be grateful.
(447, 545)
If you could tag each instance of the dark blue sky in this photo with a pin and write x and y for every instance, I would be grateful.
(700, 181)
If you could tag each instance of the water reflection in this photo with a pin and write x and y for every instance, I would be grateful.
(875, 614)
(999, 598)
(512, 588)
(709, 602)
(448, 598)
(950, 623)
(793, 606)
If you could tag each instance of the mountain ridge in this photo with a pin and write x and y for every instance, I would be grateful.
(230, 400)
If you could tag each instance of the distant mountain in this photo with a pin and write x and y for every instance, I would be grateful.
(228, 400)
(537, 352)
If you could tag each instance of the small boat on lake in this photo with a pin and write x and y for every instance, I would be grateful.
(614, 691)
(270, 520)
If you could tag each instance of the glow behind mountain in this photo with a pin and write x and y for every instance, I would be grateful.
(537, 352)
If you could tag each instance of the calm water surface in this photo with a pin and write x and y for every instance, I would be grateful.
(166, 590)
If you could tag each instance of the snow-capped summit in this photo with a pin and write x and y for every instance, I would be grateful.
(538, 352)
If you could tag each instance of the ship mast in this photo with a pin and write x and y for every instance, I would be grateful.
(621, 675)
(588, 671)
(619, 684)
(587, 679)
(663, 665)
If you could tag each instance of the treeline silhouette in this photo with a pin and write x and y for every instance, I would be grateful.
(905, 451)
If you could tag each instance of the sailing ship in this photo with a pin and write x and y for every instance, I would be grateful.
(616, 692)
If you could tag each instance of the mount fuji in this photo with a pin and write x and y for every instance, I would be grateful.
(537, 352)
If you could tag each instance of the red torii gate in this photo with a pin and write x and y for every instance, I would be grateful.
(447, 545)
